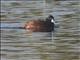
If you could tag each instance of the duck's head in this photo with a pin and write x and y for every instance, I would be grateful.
(51, 19)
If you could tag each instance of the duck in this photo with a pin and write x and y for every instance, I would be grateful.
(41, 25)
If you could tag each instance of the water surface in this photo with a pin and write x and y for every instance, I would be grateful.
(62, 44)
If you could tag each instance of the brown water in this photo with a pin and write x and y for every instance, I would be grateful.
(62, 44)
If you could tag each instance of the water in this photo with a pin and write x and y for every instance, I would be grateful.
(62, 44)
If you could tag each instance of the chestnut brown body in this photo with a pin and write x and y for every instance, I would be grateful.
(39, 25)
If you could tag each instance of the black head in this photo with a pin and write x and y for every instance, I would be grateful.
(50, 18)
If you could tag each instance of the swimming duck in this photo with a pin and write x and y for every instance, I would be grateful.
(41, 25)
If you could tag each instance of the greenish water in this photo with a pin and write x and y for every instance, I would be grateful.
(62, 44)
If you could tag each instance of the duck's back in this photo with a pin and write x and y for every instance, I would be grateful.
(40, 25)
